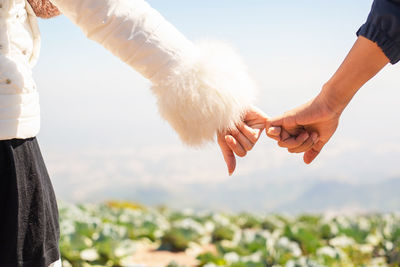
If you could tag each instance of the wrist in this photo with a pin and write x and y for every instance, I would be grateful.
(204, 95)
(333, 98)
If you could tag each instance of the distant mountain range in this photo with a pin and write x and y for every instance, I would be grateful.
(337, 196)
(268, 180)
(291, 197)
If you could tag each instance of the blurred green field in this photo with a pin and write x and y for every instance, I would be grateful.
(110, 234)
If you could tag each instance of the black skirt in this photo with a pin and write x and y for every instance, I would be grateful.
(29, 229)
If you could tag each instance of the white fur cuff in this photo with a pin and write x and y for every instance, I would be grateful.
(206, 95)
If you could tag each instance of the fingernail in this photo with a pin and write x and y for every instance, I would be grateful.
(272, 130)
(230, 173)
(256, 133)
(305, 137)
(314, 137)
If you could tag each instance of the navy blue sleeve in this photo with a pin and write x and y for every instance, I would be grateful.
(383, 27)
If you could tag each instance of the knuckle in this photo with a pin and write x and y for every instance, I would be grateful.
(235, 132)
(282, 144)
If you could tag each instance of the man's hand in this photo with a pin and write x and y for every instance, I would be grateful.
(242, 139)
(309, 127)
(306, 128)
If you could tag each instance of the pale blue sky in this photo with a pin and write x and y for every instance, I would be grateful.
(90, 100)
(300, 41)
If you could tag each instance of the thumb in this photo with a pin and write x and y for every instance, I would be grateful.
(273, 127)
(274, 132)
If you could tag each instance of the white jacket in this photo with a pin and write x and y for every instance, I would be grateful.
(201, 89)
(19, 49)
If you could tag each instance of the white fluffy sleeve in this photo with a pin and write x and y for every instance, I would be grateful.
(201, 89)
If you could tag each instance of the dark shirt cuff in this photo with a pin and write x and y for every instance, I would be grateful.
(383, 28)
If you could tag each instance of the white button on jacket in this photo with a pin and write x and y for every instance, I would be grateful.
(201, 88)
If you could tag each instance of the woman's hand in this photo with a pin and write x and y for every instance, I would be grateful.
(242, 139)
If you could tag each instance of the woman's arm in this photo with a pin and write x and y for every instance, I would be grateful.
(201, 89)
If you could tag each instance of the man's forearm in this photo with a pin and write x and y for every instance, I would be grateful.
(362, 63)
